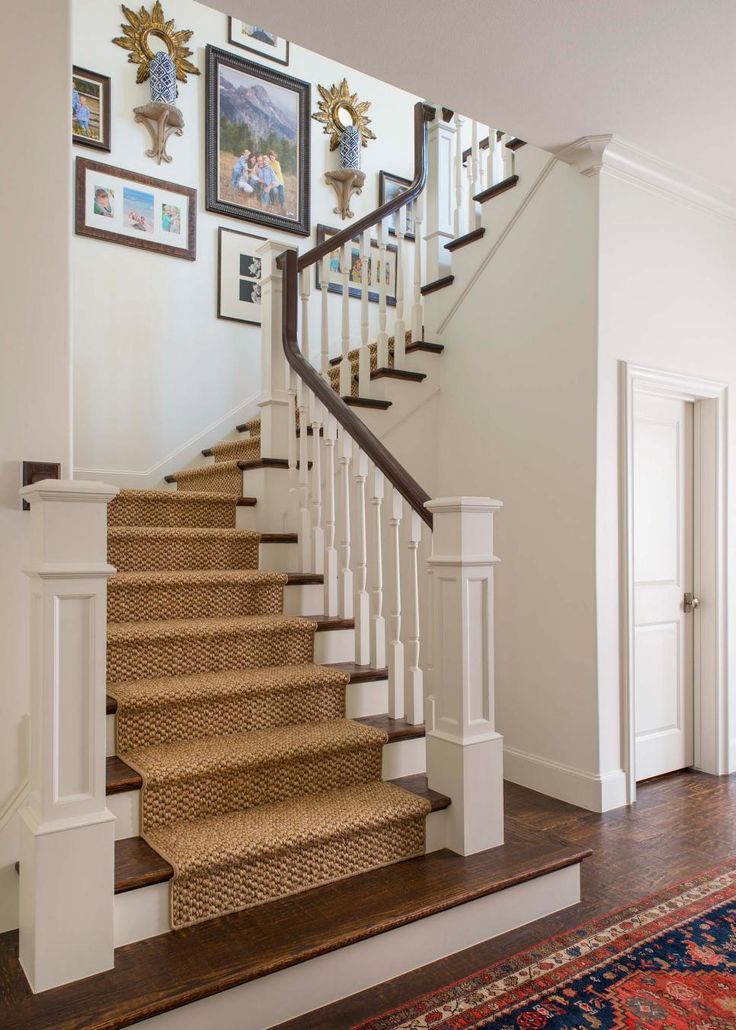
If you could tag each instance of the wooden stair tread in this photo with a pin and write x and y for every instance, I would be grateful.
(494, 191)
(397, 729)
(367, 402)
(417, 784)
(424, 345)
(246, 502)
(438, 284)
(462, 241)
(164, 972)
(359, 673)
(279, 538)
(398, 373)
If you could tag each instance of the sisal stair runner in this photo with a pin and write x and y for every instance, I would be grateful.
(255, 785)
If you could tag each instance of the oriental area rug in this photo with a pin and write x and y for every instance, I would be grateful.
(666, 963)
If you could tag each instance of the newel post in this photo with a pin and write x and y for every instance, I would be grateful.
(439, 228)
(275, 398)
(464, 752)
(67, 835)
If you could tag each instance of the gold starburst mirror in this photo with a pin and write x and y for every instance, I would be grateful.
(340, 108)
(136, 36)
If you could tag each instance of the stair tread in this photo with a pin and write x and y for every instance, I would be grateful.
(182, 532)
(192, 628)
(468, 237)
(176, 497)
(397, 729)
(398, 373)
(500, 187)
(438, 284)
(162, 577)
(424, 345)
(367, 402)
(360, 673)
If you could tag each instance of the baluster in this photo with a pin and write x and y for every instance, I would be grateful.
(414, 676)
(364, 361)
(325, 327)
(473, 164)
(417, 311)
(305, 521)
(330, 566)
(382, 350)
(480, 170)
(429, 641)
(304, 292)
(375, 568)
(491, 161)
(459, 214)
(318, 533)
(345, 369)
(507, 156)
(345, 575)
(399, 323)
(362, 610)
(293, 439)
(396, 701)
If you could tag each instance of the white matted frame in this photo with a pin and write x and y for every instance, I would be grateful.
(710, 681)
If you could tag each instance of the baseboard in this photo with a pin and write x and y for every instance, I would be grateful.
(596, 792)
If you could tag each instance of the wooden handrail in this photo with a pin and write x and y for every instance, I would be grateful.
(291, 265)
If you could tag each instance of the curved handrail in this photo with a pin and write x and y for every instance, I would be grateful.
(292, 264)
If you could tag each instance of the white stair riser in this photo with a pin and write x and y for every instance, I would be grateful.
(304, 599)
(278, 557)
(334, 645)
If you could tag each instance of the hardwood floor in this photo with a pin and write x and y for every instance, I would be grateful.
(680, 825)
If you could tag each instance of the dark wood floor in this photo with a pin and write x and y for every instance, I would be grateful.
(680, 825)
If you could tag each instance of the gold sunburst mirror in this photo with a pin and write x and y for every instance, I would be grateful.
(136, 36)
(340, 108)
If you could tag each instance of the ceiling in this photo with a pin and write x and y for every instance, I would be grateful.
(660, 74)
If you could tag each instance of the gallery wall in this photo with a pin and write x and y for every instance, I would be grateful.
(157, 376)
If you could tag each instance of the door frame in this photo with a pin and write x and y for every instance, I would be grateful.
(710, 725)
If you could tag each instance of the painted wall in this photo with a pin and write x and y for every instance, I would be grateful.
(35, 354)
(157, 375)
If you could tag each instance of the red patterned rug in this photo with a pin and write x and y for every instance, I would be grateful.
(666, 963)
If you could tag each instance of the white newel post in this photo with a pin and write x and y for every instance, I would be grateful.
(67, 835)
(274, 402)
(440, 195)
(464, 752)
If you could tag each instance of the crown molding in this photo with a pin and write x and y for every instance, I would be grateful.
(585, 154)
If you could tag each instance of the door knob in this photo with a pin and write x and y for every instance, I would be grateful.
(690, 602)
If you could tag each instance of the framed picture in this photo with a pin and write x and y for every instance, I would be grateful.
(238, 276)
(389, 186)
(259, 41)
(137, 210)
(257, 142)
(374, 268)
(90, 109)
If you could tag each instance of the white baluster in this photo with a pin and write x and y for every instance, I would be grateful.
(362, 607)
(345, 369)
(399, 323)
(396, 701)
(491, 159)
(345, 575)
(304, 292)
(507, 156)
(318, 533)
(473, 165)
(414, 676)
(459, 214)
(364, 361)
(380, 278)
(325, 327)
(375, 569)
(293, 440)
(330, 567)
(305, 520)
(480, 170)
(417, 311)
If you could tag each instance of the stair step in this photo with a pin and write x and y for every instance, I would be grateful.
(367, 402)
(397, 729)
(438, 284)
(180, 548)
(398, 373)
(246, 502)
(469, 237)
(494, 191)
(515, 144)
(173, 509)
(424, 345)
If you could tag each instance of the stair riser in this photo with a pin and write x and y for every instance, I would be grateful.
(172, 514)
(193, 601)
(161, 555)
(278, 557)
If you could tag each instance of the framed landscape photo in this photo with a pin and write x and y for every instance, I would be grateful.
(334, 265)
(258, 40)
(90, 109)
(136, 210)
(390, 186)
(238, 276)
(257, 143)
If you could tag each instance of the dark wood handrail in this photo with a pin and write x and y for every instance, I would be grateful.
(291, 265)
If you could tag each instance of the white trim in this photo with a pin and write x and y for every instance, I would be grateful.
(594, 791)
(14, 802)
(710, 672)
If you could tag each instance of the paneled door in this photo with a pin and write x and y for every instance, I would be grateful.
(664, 609)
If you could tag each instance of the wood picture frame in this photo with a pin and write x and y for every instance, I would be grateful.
(253, 112)
(90, 105)
(388, 186)
(355, 290)
(261, 41)
(136, 210)
(231, 296)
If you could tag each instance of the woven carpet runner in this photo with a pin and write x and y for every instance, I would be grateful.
(255, 784)
(666, 963)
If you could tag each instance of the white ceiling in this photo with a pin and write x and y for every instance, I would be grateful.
(660, 74)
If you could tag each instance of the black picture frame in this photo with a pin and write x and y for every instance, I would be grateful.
(300, 223)
(386, 179)
(233, 232)
(252, 49)
(79, 75)
(323, 233)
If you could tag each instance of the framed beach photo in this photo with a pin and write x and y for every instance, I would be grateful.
(136, 210)
(258, 40)
(389, 186)
(257, 143)
(90, 109)
(238, 276)
(334, 266)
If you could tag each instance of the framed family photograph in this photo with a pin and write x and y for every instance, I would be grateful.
(257, 143)
(334, 267)
(136, 210)
(90, 109)
(238, 276)
(389, 186)
(258, 40)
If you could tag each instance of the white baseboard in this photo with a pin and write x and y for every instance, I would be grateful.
(596, 792)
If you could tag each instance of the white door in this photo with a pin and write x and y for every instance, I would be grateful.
(663, 574)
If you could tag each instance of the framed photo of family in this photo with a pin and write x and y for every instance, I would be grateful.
(90, 109)
(389, 186)
(238, 276)
(258, 40)
(136, 210)
(334, 266)
(257, 143)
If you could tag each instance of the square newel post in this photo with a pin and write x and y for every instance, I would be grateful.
(464, 752)
(67, 838)
(275, 399)
(440, 197)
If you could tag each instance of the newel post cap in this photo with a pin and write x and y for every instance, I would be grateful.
(463, 530)
(463, 504)
(78, 490)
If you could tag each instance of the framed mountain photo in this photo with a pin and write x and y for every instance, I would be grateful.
(257, 143)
